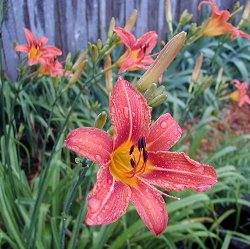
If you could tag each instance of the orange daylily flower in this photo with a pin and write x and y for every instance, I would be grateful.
(218, 23)
(136, 57)
(136, 161)
(241, 94)
(36, 48)
(52, 67)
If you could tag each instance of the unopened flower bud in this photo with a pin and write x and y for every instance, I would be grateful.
(158, 100)
(80, 59)
(168, 10)
(193, 29)
(108, 74)
(99, 44)
(95, 52)
(244, 18)
(246, 11)
(197, 68)
(78, 72)
(149, 92)
(219, 76)
(163, 60)
(15, 43)
(185, 18)
(206, 83)
(131, 21)
(111, 26)
(100, 120)
(159, 90)
(68, 61)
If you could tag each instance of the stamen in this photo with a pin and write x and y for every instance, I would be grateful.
(132, 162)
(145, 155)
(131, 150)
(157, 190)
(140, 144)
(143, 142)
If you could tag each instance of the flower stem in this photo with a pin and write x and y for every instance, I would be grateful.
(68, 205)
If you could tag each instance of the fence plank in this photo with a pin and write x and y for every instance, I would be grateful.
(71, 24)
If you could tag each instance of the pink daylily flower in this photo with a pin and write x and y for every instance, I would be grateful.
(50, 66)
(136, 57)
(136, 161)
(36, 48)
(218, 23)
(241, 94)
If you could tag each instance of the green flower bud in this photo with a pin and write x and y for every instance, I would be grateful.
(100, 120)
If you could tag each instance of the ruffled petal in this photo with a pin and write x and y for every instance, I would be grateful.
(92, 143)
(147, 42)
(175, 171)
(129, 112)
(109, 199)
(32, 61)
(31, 39)
(126, 65)
(42, 41)
(22, 48)
(215, 9)
(164, 133)
(126, 37)
(147, 60)
(243, 34)
(151, 207)
(51, 51)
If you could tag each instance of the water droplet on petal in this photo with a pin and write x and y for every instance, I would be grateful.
(98, 157)
(163, 125)
(94, 205)
(126, 112)
(201, 169)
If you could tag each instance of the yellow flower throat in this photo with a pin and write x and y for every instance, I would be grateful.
(128, 161)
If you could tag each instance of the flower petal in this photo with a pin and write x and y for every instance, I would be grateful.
(109, 199)
(92, 143)
(129, 112)
(175, 171)
(51, 51)
(31, 39)
(126, 37)
(126, 65)
(164, 133)
(243, 34)
(42, 41)
(150, 206)
(22, 48)
(147, 42)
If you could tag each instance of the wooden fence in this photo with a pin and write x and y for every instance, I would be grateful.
(70, 24)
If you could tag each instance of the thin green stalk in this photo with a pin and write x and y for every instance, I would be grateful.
(81, 213)
(68, 205)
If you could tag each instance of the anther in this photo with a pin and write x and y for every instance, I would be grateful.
(131, 150)
(143, 142)
(132, 162)
(145, 155)
(139, 144)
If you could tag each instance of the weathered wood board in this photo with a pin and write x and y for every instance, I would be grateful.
(69, 24)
